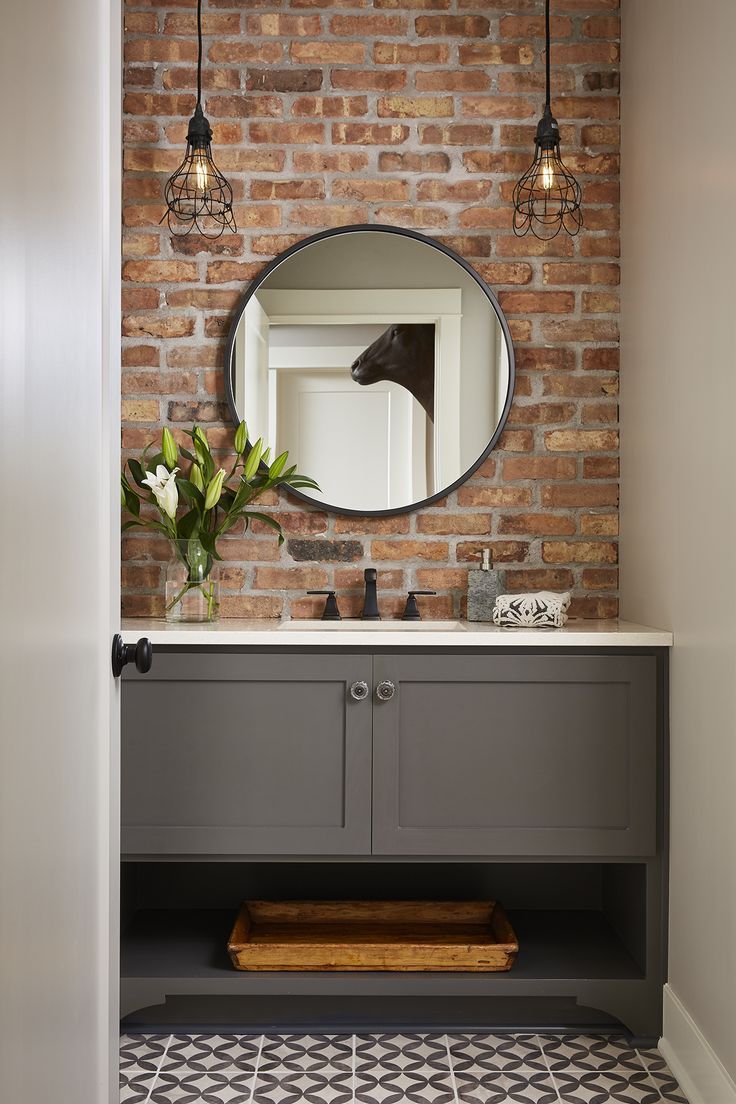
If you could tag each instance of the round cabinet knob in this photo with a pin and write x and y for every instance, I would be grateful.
(385, 690)
(359, 691)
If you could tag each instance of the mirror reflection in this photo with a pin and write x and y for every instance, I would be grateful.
(378, 360)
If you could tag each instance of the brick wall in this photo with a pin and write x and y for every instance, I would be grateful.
(415, 113)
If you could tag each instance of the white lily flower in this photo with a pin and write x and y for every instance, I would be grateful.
(163, 485)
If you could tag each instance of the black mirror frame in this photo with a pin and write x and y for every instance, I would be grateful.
(442, 248)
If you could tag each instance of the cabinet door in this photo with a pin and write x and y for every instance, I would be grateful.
(511, 755)
(241, 754)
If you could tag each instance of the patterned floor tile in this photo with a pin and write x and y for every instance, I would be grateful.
(315, 1086)
(212, 1053)
(625, 1086)
(424, 1085)
(143, 1051)
(392, 1069)
(478, 1085)
(589, 1052)
(496, 1052)
(306, 1052)
(136, 1085)
(231, 1086)
(401, 1053)
(666, 1083)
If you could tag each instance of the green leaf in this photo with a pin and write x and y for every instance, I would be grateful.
(267, 520)
(137, 472)
(254, 459)
(188, 455)
(241, 438)
(278, 466)
(188, 524)
(168, 448)
(189, 492)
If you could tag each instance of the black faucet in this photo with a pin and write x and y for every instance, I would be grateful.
(370, 602)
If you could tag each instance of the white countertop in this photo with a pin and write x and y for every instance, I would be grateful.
(456, 634)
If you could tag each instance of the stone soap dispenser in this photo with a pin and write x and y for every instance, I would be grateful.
(484, 587)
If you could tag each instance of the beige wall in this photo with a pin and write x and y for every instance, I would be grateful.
(678, 497)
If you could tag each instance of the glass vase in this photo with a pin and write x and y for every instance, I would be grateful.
(192, 584)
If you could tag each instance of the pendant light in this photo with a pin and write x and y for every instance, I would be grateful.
(198, 196)
(547, 198)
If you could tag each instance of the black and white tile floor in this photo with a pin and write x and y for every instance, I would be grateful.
(392, 1069)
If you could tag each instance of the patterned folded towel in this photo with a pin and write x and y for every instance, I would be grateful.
(543, 610)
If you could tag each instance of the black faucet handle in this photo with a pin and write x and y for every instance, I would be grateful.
(411, 612)
(331, 611)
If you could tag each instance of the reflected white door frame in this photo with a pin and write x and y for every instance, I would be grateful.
(441, 307)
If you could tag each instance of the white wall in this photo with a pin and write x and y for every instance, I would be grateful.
(678, 499)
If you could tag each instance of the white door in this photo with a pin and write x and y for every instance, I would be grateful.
(59, 457)
(365, 446)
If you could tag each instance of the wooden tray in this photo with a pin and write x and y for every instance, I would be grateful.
(372, 935)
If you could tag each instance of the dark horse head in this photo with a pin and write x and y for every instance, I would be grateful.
(403, 354)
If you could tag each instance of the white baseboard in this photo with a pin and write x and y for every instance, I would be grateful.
(700, 1072)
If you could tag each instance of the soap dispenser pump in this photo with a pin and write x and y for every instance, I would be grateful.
(484, 587)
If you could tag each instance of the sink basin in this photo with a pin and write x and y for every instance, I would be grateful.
(372, 626)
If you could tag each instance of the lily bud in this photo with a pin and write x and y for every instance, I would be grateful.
(195, 477)
(201, 436)
(214, 490)
(169, 449)
(241, 438)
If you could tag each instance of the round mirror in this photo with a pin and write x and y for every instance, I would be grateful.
(379, 360)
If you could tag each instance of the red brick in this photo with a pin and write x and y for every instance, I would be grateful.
(539, 467)
(405, 53)
(283, 80)
(413, 162)
(372, 190)
(600, 578)
(580, 494)
(447, 524)
(241, 52)
(359, 26)
(502, 551)
(581, 440)
(362, 134)
(368, 80)
(452, 26)
(341, 161)
(581, 273)
(384, 525)
(536, 578)
(287, 133)
(601, 467)
(408, 550)
(523, 26)
(537, 524)
(279, 25)
(471, 495)
(579, 552)
(323, 53)
(250, 605)
(493, 53)
(537, 302)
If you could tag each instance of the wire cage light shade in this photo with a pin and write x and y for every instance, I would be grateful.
(547, 198)
(197, 195)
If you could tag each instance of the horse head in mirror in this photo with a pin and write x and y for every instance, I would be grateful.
(403, 354)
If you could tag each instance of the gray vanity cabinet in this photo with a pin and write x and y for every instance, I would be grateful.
(505, 755)
(237, 754)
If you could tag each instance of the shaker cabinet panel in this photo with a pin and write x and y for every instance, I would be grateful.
(246, 754)
(515, 755)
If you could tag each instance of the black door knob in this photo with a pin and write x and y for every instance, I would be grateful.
(141, 654)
